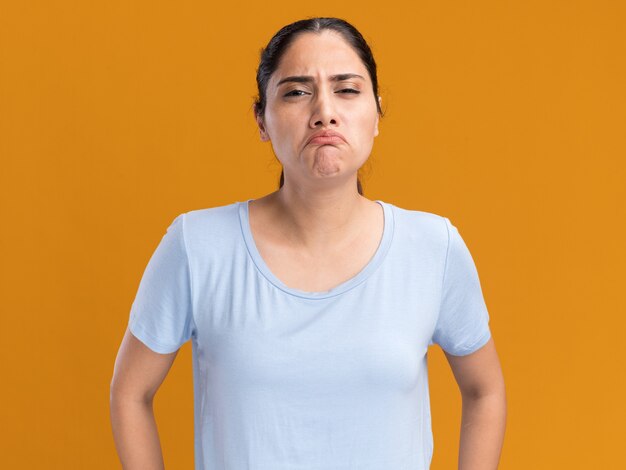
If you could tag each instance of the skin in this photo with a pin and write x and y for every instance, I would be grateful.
(137, 375)
(483, 421)
(319, 211)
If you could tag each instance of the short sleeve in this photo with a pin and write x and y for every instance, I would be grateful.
(463, 323)
(161, 314)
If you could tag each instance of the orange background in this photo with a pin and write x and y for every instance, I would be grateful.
(506, 117)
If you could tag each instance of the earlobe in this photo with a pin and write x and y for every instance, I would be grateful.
(262, 132)
(380, 104)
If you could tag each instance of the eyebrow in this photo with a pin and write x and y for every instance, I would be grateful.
(307, 78)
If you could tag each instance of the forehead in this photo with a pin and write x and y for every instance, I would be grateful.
(319, 54)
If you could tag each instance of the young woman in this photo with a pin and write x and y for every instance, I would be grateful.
(311, 309)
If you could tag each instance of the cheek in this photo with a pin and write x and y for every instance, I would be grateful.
(281, 120)
(368, 125)
(367, 118)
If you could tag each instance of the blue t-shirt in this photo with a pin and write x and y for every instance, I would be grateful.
(291, 380)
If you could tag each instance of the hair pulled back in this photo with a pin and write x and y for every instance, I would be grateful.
(275, 49)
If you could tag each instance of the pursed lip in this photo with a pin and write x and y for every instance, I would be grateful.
(325, 138)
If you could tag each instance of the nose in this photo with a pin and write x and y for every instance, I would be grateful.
(323, 113)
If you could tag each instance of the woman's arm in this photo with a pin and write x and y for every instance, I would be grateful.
(483, 422)
(137, 375)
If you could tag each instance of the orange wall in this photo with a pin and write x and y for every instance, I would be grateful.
(506, 117)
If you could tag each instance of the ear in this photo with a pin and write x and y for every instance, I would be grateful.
(262, 132)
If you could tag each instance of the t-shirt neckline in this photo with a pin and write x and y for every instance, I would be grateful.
(357, 279)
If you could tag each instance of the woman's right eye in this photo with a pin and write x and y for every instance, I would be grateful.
(295, 93)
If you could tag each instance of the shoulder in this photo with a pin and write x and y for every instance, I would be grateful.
(211, 223)
(419, 225)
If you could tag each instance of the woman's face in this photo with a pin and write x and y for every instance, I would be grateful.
(320, 113)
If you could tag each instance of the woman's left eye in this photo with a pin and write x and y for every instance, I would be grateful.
(349, 90)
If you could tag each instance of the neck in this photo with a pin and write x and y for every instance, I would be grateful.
(319, 220)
